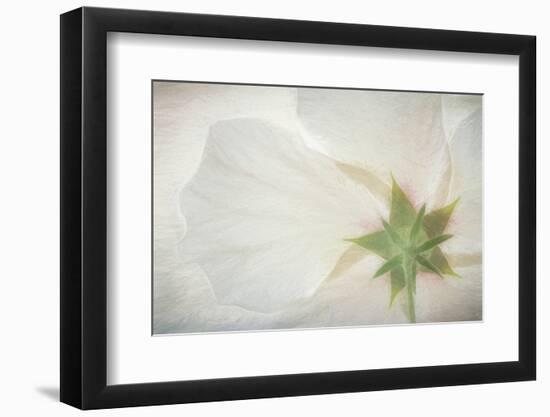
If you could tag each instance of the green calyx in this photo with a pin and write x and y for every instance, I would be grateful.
(409, 242)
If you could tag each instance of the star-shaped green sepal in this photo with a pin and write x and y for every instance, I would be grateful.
(410, 240)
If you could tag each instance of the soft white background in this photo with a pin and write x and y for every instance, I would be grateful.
(29, 213)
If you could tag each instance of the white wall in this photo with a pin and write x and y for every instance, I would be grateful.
(29, 211)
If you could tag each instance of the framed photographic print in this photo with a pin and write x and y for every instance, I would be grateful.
(258, 207)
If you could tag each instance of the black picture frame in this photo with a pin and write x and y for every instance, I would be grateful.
(84, 207)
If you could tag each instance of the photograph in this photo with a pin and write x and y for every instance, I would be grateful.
(297, 207)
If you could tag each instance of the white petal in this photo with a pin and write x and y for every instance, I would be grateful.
(383, 133)
(449, 299)
(183, 114)
(456, 108)
(182, 105)
(466, 183)
(351, 299)
(267, 217)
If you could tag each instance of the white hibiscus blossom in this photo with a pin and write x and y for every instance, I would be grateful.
(291, 180)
